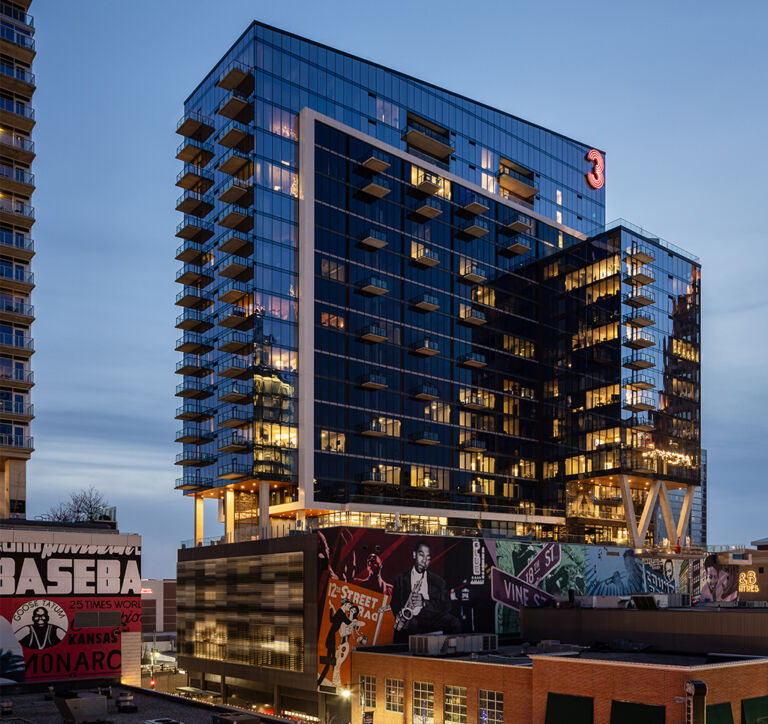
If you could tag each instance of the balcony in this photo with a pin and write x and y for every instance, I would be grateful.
(425, 392)
(373, 286)
(17, 114)
(17, 212)
(234, 243)
(476, 228)
(17, 378)
(191, 343)
(194, 390)
(16, 443)
(233, 217)
(473, 445)
(238, 393)
(20, 411)
(639, 298)
(640, 319)
(193, 436)
(516, 247)
(372, 334)
(474, 402)
(17, 279)
(472, 360)
(641, 423)
(193, 483)
(434, 142)
(640, 254)
(638, 276)
(639, 402)
(638, 382)
(472, 317)
(235, 418)
(234, 471)
(426, 348)
(639, 361)
(17, 147)
(235, 267)
(16, 180)
(374, 428)
(425, 303)
(193, 275)
(236, 343)
(232, 292)
(372, 381)
(373, 239)
(235, 76)
(236, 135)
(235, 442)
(195, 458)
(236, 106)
(376, 188)
(233, 162)
(195, 125)
(236, 317)
(17, 344)
(425, 437)
(234, 191)
(194, 229)
(16, 244)
(639, 340)
(428, 183)
(235, 367)
(473, 274)
(373, 477)
(475, 207)
(518, 181)
(193, 298)
(194, 152)
(194, 177)
(191, 252)
(193, 366)
(375, 161)
(197, 204)
(13, 311)
(518, 226)
(424, 257)
(428, 209)
(194, 412)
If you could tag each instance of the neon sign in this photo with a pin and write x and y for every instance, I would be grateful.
(748, 582)
(596, 177)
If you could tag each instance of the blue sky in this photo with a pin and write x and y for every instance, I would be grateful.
(675, 93)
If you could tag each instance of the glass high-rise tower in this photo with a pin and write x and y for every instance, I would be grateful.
(401, 308)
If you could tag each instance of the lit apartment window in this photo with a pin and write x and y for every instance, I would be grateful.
(330, 269)
(423, 477)
(423, 702)
(335, 321)
(394, 696)
(333, 441)
(559, 197)
(367, 692)
(455, 705)
(559, 217)
(482, 486)
(490, 707)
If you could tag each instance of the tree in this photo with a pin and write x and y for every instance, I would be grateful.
(83, 505)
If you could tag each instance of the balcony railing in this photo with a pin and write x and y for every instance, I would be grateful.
(13, 71)
(17, 207)
(426, 302)
(426, 347)
(194, 457)
(17, 15)
(20, 175)
(7, 375)
(14, 36)
(374, 286)
(472, 316)
(190, 150)
(473, 273)
(234, 417)
(20, 308)
(193, 228)
(472, 359)
(373, 239)
(23, 409)
(375, 161)
(372, 381)
(424, 256)
(234, 470)
(426, 391)
(17, 240)
(377, 187)
(194, 388)
(425, 437)
(194, 411)
(373, 333)
(17, 341)
(193, 483)
(17, 107)
(22, 143)
(18, 442)
(476, 228)
(17, 275)
(194, 124)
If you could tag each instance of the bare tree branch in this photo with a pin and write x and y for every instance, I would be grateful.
(83, 505)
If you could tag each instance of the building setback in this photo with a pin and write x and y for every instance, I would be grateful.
(17, 184)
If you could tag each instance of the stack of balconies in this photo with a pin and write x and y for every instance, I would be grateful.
(216, 277)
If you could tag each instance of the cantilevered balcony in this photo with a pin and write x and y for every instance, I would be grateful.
(195, 458)
(638, 275)
(16, 443)
(234, 470)
(640, 297)
(235, 217)
(639, 401)
(193, 366)
(518, 226)
(238, 393)
(638, 382)
(236, 106)
(16, 311)
(474, 402)
(476, 228)
(194, 412)
(372, 381)
(640, 318)
(194, 203)
(642, 422)
(193, 275)
(372, 334)
(375, 161)
(425, 392)
(235, 417)
(236, 135)
(373, 239)
(235, 442)
(191, 343)
(433, 142)
(233, 162)
(235, 367)
(17, 180)
(17, 114)
(640, 254)
(377, 187)
(473, 273)
(473, 360)
(236, 317)
(427, 183)
(424, 257)
(193, 435)
(193, 298)
(194, 229)
(17, 79)
(425, 437)
(373, 477)
(515, 246)
(235, 267)
(478, 205)
(428, 209)
(194, 482)
(425, 303)
(17, 244)
(373, 286)
(472, 317)
(17, 411)
(426, 347)
(235, 342)
(193, 177)
(18, 213)
(235, 76)
(639, 339)
(518, 181)
(473, 445)
(18, 345)
(195, 152)
(195, 125)
(637, 462)
(17, 279)
(233, 191)
(232, 242)
(373, 428)
(232, 292)
(16, 146)
(18, 379)
(194, 389)
(191, 252)
(639, 361)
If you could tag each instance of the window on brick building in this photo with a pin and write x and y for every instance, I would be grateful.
(394, 696)
(367, 692)
(490, 707)
(455, 705)
(423, 702)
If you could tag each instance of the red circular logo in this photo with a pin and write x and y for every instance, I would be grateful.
(596, 177)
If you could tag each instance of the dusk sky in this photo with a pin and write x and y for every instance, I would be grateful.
(674, 92)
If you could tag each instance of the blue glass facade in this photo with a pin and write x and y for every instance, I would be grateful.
(401, 305)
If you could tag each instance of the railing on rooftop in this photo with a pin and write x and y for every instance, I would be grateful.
(635, 229)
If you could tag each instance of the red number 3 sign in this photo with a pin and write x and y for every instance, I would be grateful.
(596, 177)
